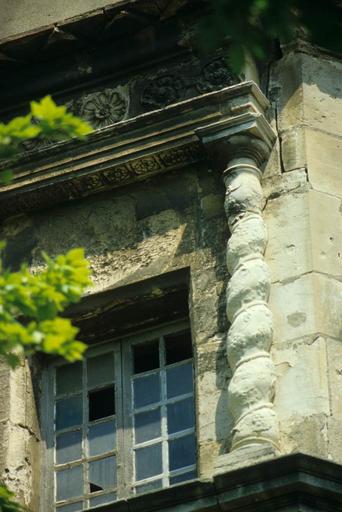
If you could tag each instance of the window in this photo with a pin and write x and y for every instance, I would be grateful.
(124, 420)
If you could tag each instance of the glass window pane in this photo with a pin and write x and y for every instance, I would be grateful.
(100, 369)
(69, 412)
(180, 415)
(178, 347)
(101, 403)
(147, 425)
(68, 447)
(182, 452)
(101, 438)
(148, 461)
(102, 474)
(146, 390)
(146, 356)
(151, 486)
(191, 475)
(102, 500)
(179, 380)
(70, 483)
(68, 378)
(73, 507)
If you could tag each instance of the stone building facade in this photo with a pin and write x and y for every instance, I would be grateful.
(204, 200)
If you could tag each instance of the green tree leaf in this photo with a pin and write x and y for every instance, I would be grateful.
(7, 504)
(30, 305)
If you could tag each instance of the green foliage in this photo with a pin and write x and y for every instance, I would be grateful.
(249, 26)
(46, 120)
(30, 305)
(7, 504)
(55, 122)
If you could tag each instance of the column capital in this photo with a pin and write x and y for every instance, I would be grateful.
(244, 138)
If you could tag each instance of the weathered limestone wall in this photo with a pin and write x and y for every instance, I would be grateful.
(304, 218)
(19, 434)
(173, 221)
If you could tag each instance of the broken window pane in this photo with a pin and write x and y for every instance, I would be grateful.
(70, 483)
(180, 415)
(146, 390)
(148, 461)
(151, 486)
(73, 507)
(191, 475)
(147, 425)
(179, 380)
(101, 438)
(102, 500)
(101, 403)
(102, 474)
(178, 347)
(68, 378)
(146, 356)
(182, 452)
(100, 369)
(69, 412)
(68, 447)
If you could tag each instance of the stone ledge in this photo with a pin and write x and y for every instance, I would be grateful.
(290, 481)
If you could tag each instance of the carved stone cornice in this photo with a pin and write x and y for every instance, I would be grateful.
(131, 150)
(240, 149)
(248, 135)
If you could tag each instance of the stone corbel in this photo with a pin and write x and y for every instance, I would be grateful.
(239, 149)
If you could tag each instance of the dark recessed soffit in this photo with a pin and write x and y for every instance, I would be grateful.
(118, 19)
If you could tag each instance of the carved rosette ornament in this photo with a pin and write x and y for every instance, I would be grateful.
(103, 108)
(240, 154)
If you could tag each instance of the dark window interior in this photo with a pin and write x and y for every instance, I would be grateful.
(101, 403)
(178, 347)
(146, 356)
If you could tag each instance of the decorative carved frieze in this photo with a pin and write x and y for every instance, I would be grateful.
(115, 102)
(185, 80)
(129, 151)
(161, 91)
(239, 150)
(134, 170)
(216, 74)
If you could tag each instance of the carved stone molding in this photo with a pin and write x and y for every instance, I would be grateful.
(116, 100)
(185, 80)
(161, 91)
(215, 75)
(239, 151)
(127, 151)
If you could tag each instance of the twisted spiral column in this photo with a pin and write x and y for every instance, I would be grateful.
(251, 389)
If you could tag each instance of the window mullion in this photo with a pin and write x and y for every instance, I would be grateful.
(84, 430)
(165, 452)
(125, 422)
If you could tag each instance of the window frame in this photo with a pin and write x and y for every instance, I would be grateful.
(123, 353)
